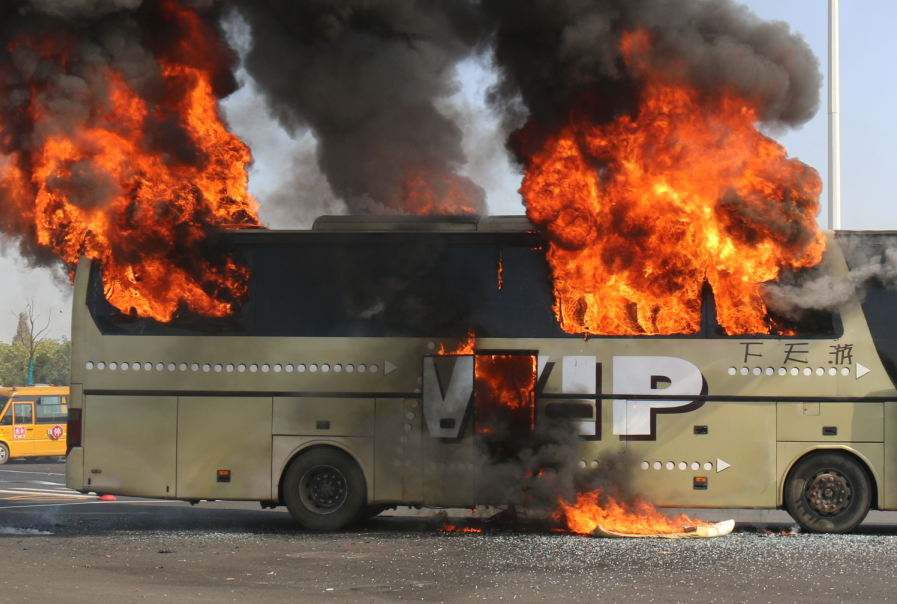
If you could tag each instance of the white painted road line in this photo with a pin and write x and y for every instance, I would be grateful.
(95, 502)
(33, 490)
(73, 494)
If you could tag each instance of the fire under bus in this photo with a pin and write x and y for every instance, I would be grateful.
(327, 392)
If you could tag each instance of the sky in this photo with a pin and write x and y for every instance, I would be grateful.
(868, 132)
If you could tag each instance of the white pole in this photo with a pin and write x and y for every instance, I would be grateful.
(834, 119)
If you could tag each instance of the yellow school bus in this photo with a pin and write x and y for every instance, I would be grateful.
(327, 391)
(32, 422)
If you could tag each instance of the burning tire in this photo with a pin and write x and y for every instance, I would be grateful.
(828, 493)
(324, 490)
(4, 453)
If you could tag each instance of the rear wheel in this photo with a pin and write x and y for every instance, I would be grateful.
(4, 453)
(324, 489)
(828, 493)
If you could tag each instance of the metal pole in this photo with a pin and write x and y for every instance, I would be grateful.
(834, 119)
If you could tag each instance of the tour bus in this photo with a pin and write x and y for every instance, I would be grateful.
(32, 422)
(330, 391)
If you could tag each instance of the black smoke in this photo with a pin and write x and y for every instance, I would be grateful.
(55, 61)
(562, 57)
(366, 77)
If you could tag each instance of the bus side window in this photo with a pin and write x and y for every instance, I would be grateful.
(6, 420)
(24, 413)
(49, 410)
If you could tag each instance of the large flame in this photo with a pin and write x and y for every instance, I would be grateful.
(641, 211)
(425, 192)
(637, 518)
(505, 393)
(157, 211)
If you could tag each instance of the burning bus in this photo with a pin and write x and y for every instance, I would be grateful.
(348, 383)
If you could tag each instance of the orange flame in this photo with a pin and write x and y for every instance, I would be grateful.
(640, 212)
(507, 383)
(157, 211)
(464, 347)
(451, 528)
(638, 518)
(446, 194)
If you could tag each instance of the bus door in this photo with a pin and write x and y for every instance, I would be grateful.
(480, 414)
(6, 422)
(49, 425)
(22, 443)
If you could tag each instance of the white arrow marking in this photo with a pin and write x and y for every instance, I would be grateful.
(388, 368)
(861, 370)
(721, 465)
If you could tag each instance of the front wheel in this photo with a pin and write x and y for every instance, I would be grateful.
(4, 453)
(828, 493)
(324, 489)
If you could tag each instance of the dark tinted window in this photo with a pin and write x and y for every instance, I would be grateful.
(872, 259)
(374, 285)
(785, 317)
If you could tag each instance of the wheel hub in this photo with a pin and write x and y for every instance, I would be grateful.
(324, 488)
(828, 492)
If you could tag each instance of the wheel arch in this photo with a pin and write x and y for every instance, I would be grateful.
(305, 448)
(865, 463)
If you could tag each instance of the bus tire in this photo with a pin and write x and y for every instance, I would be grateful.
(4, 453)
(324, 489)
(828, 492)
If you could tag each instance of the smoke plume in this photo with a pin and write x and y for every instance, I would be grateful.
(365, 77)
(563, 56)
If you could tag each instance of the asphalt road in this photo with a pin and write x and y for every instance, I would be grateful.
(60, 546)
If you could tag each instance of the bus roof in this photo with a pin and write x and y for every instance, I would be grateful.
(424, 223)
(14, 391)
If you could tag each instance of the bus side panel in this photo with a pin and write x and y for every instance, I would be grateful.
(872, 454)
(412, 444)
(389, 450)
(306, 416)
(129, 445)
(216, 434)
(730, 444)
(854, 422)
(448, 469)
(888, 490)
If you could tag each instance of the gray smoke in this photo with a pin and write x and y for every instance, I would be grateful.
(365, 77)
(872, 264)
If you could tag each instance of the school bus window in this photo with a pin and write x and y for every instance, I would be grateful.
(50, 410)
(24, 413)
(6, 420)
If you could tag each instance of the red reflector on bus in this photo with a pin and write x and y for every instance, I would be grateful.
(223, 475)
(700, 483)
(73, 430)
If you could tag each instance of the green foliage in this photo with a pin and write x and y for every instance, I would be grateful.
(52, 358)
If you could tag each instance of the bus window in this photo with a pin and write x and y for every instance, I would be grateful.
(784, 320)
(375, 285)
(6, 420)
(50, 410)
(24, 413)
(869, 257)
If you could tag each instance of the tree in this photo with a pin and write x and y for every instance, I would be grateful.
(28, 336)
(43, 360)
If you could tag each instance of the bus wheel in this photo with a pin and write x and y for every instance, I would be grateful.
(828, 493)
(325, 489)
(4, 453)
